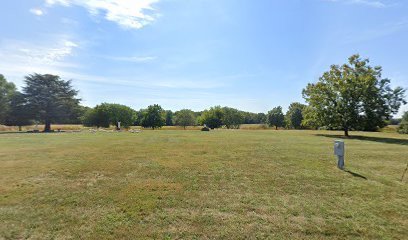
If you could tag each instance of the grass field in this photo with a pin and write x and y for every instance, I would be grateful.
(208, 185)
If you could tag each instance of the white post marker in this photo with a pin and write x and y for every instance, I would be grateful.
(118, 125)
(339, 152)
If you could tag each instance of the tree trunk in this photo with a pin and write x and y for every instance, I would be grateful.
(19, 128)
(276, 127)
(47, 127)
(346, 132)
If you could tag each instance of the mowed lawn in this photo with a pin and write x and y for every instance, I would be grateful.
(202, 185)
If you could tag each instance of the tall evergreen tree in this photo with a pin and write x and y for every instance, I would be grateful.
(19, 114)
(50, 99)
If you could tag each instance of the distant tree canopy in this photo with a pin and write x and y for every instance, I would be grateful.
(184, 118)
(107, 114)
(169, 118)
(7, 90)
(353, 96)
(50, 99)
(18, 114)
(294, 115)
(212, 117)
(403, 127)
(154, 117)
(309, 118)
(276, 118)
(231, 117)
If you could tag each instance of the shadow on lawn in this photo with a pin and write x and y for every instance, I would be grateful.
(355, 174)
(29, 132)
(13, 132)
(366, 138)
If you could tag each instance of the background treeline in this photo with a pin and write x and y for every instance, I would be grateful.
(353, 96)
(47, 99)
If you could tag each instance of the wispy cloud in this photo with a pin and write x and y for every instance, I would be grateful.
(135, 59)
(378, 32)
(132, 14)
(42, 57)
(370, 3)
(37, 11)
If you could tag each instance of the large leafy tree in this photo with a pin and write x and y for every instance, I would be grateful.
(309, 118)
(19, 114)
(107, 114)
(120, 113)
(139, 117)
(184, 118)
(7, 89)
(97, 117)
(212, 117)
(50, 98)
(276, 118)
(403, 127)
(232, 118)
(294, 115)
(154, 117)
(353, 96)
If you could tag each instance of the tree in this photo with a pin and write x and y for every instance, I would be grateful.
(7, 89)
(353, 96)
(50, 98)
(294, 115)
(260, 118)
(212, 117)
(120, 113)
(184, 118)
(276, 118)
(309, 118)
(231, 117)
(107, 114)
(403, 127)
(97, 117)
(139, 117)
(169, 118)
(18, 114)
(154, 117)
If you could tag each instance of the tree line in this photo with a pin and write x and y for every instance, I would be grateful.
(353, 96)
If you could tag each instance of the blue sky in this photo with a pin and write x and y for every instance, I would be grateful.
(248, 54)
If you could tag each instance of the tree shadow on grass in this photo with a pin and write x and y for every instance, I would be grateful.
(367, 138)
(30, 132)
(355, 174)
(13, 132)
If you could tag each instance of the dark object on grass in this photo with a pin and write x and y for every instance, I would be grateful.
(402, 178)
(205, 129)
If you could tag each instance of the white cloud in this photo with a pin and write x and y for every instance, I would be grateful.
(43, 57)
(137, 59)
(133, 14)
(37, 11)
(370, 3)
(377, 32)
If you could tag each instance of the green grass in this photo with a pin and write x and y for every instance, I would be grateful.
(208, 185)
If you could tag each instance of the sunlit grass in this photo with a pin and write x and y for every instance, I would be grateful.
(190, 184)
